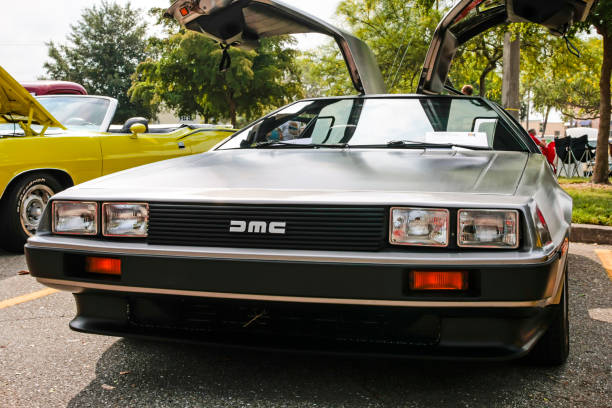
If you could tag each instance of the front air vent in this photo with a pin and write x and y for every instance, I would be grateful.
(280, 227)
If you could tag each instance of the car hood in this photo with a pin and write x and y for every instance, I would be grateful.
(18, 106)
(352, 175)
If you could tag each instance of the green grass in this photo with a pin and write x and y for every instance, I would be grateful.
(592, 204)
(575, 180)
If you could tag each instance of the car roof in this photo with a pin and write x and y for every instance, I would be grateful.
(54, 88)
(17, 105)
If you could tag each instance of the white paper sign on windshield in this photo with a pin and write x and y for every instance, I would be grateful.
(462, 138)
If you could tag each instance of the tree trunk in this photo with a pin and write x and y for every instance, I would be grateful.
(483, 80)
(483, 85)
(545, 124)
(511, 80)
(231, 104)
(601, 170)
(528, 107)
(233, 114)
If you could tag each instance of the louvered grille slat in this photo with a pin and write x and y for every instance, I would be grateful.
(312, 228)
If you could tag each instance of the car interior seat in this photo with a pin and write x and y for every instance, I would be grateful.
(132, 121)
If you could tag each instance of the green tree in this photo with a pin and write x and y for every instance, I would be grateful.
(397, 31)
(559, 80)
(185, 77)
(104, 48)
(478, 63)
(601, 19)
(324, 72)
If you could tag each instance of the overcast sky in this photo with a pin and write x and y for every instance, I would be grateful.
(27, 26)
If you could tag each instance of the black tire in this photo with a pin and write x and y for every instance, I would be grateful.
(15, 232)
(553, 347)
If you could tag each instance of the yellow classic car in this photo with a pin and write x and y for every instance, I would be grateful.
(41, 155)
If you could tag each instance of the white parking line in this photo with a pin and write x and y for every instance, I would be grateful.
(603, 315)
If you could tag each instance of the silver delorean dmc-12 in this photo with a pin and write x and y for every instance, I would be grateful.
(425, 225)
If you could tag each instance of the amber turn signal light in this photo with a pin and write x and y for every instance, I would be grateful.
(103, 266)
(438, 280)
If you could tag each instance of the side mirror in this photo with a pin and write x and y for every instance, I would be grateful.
(137, 128)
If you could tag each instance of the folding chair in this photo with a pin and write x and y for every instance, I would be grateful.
(581, 152)
(563, 155)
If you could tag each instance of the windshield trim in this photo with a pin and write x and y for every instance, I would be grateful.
(502, 114)
(528, 144)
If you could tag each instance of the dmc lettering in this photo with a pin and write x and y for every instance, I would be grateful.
(258, 227)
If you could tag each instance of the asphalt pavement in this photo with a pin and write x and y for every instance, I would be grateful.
(44, 364)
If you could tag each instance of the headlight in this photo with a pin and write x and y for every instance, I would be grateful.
(75, 218)
(488, 229)
(419, 226)
(125, 220)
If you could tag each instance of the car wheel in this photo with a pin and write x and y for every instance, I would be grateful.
(22, 209)
(553, 347)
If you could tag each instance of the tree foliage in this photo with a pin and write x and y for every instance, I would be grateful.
(478, 63)
(565, 82)
(102, 52)
(398, 32)
(185, 76)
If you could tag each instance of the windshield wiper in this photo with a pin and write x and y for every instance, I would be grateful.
(410, 144)
(402, 144)
(278, 143)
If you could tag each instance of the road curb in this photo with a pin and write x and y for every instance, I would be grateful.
(591, 234)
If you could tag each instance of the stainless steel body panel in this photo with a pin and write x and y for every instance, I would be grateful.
(405, 257)
(330, 171)
(429, 178)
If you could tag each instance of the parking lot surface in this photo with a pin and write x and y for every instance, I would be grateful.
(45, 364)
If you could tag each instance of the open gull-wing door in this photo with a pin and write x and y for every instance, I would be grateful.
(242, 23)
(469, 18)
(18, 106)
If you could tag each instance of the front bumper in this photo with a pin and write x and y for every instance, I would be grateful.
(334, 306)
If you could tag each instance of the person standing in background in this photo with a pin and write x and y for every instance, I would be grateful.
(537, 141)
(547, 150)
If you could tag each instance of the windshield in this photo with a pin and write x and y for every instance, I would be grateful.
(402, 122)
(74, 112)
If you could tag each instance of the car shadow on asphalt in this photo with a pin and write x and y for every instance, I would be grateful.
(11, 264)
(146, 373)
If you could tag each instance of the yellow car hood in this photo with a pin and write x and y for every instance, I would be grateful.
(18, 106)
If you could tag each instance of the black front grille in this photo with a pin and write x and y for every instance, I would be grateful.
(312, 228)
